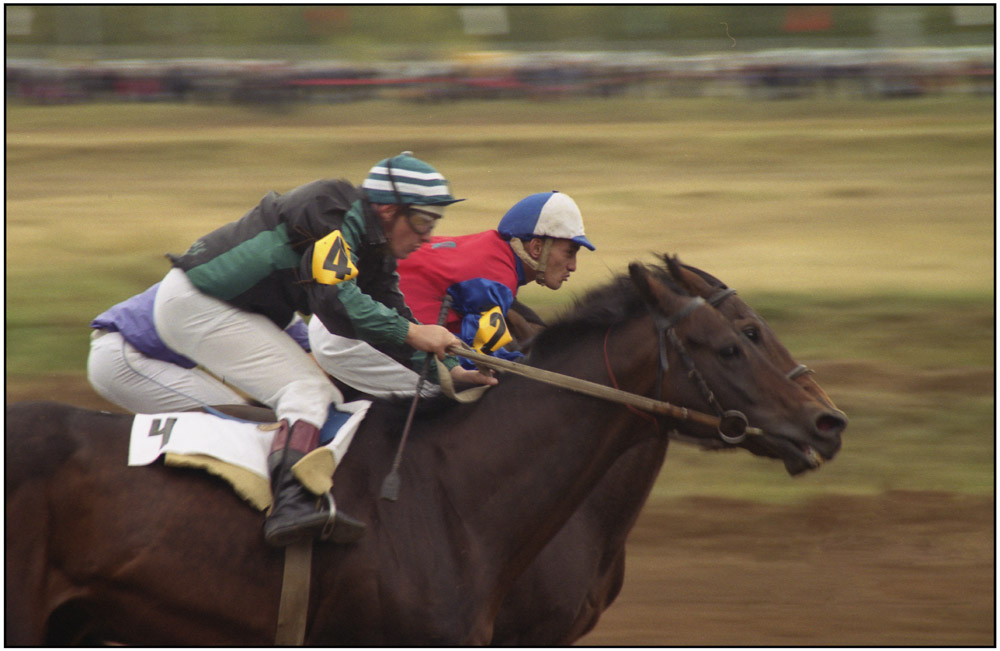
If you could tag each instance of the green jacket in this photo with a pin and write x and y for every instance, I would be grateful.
(318, 249)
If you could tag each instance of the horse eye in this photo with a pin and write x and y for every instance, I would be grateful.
(753, 334)
(729, 352)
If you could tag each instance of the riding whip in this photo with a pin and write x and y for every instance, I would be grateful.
(390, 485)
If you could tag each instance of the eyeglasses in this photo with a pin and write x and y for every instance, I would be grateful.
(420, 221)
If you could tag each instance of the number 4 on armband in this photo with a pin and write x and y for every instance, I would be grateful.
(332, 260)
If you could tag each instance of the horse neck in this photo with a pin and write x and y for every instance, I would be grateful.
(550, 448)
(613, 507)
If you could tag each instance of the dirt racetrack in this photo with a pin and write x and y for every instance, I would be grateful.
(899, 569)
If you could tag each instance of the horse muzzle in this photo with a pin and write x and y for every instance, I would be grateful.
(801, 451)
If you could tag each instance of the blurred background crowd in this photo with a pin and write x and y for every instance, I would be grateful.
(272, 54)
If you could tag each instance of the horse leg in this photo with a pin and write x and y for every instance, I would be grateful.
(600, 596)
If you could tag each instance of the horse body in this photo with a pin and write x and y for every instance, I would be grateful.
(437, 561)
(139, 570)
(97, 550)
(104, 547)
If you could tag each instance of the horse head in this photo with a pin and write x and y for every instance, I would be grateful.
(746, 320)
(724, 371)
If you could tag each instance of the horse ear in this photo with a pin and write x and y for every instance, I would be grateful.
(642, 279)
(673, 266)
(690, 281)
(651, 289)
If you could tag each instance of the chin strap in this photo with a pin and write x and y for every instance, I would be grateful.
(537, 265)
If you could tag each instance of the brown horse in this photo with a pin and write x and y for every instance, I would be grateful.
(97, 550)
(563, 593)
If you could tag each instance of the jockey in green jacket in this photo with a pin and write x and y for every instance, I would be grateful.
(325, 249)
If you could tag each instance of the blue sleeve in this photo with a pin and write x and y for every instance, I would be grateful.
(483, 303)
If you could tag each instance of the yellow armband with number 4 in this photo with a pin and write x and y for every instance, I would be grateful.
(331, 263)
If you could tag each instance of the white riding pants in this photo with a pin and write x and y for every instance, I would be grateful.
(364, 367)
(244, 349)
(121, 374)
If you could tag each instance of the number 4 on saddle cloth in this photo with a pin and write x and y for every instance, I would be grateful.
(236, 450)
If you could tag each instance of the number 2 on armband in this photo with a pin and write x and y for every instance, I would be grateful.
(492, 333)
(331, 262)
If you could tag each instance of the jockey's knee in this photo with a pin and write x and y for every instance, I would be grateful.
(307, 399)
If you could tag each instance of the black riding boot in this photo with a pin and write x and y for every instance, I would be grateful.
(297, 513)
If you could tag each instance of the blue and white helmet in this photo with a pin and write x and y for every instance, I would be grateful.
(405, 180)
(545, 214)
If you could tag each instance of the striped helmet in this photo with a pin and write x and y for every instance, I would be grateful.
(405, 180)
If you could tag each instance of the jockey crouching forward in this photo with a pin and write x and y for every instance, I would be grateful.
(323, 249)
(536, 240)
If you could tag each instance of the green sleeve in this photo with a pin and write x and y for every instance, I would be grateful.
(341, 305)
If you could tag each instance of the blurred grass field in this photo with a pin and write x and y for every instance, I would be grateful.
(863, 232)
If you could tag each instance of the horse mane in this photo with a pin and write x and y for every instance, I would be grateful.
(597, 310)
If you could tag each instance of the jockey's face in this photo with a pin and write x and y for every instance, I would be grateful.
(562, 262)
(403, 239)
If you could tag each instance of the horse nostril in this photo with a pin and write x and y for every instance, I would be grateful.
(830, 425)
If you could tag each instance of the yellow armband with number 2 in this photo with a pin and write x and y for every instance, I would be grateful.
(492, 333)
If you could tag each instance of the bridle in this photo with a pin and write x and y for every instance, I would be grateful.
(733, 424)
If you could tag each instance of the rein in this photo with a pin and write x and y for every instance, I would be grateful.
(731, 425)
(591, 388)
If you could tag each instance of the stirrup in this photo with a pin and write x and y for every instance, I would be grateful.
(331, 518)
(340, 527)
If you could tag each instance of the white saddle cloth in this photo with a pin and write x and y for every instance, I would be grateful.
(237, 450)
